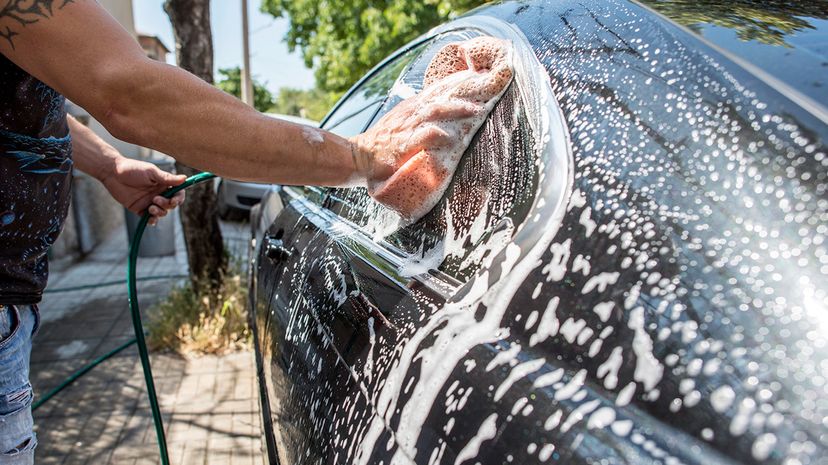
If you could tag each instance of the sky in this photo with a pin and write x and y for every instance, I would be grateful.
(270, 60)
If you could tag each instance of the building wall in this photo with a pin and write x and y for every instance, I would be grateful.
(121, 10)
(94, 214)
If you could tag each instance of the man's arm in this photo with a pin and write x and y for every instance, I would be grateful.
(133, 183)
(82, 52)
(78, 49)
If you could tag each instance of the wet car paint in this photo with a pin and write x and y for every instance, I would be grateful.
(675, 312)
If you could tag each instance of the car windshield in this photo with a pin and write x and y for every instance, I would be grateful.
(353, 114)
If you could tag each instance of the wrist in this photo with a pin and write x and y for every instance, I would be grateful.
(107, 167)
(367, 164)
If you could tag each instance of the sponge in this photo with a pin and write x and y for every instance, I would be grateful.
(474, 73)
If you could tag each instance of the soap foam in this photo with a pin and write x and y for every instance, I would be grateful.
(477, 71)
(457, 326)
(312, 135)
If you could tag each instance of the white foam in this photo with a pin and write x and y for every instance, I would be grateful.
(648, 370)
(312, 136)
(570, 388)
(549, 323)
(579, 413)
(609, 369)
(763, 446)
(722, 398)
(603, 310)
(548, 379)
(601, 418)
(485, 432)
(553, 421)
(444, 339)
(503, 357)
(518, 372)
(625, 395)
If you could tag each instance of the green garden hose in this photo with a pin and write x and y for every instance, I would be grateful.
(132, 289)
(74, 376)
(87, 368)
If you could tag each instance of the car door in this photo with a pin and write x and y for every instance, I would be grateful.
(299, 286)
(351, 282)
(671, 313)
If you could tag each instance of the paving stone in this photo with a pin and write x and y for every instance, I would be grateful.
(208, 404)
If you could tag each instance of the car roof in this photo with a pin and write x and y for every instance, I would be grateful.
(784, 44)
(786, 40)
(293, 119)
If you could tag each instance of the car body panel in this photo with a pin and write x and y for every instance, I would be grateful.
(785, 41)
(242, 195)
(670, 309)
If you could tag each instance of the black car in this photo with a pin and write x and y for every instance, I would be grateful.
(629, 266)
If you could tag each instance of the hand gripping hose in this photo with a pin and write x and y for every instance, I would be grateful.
(136, 314)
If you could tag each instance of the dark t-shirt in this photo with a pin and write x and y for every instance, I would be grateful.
(35, 181)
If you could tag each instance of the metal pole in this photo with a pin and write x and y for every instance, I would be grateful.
(246, 80)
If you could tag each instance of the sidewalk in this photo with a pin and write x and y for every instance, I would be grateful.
(210, 404)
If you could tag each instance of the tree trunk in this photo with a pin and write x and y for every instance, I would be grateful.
(194, 53)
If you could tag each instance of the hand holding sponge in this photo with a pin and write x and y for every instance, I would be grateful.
(418, 145)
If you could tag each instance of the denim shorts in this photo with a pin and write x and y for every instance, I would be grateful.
(18, 324)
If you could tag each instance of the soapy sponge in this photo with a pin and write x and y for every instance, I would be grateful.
(472, 74)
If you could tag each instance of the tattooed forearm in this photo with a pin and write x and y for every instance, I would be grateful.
(16, 14)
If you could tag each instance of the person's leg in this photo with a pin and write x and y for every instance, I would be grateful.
(17, 440)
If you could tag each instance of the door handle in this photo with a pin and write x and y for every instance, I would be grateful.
(275, 249)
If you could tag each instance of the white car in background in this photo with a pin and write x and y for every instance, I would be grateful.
(235, 198)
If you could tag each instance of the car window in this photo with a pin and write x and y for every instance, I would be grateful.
(358, 108)
(491, 193)
(352, 116)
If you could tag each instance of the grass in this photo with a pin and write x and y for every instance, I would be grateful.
(191, 322)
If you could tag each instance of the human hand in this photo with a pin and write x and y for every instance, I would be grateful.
(414, 149)
(136, 185)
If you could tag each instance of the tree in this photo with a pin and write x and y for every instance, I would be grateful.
(343, 39)
(231, 83)
(194, 53)
(312, 104)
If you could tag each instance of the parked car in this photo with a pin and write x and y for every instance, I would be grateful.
(629, 266)
(235, 198)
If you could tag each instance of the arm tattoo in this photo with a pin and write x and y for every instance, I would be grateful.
(23, 12)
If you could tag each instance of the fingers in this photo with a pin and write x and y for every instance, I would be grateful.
(451, 111)
(168, 179)
(180, 197)
(430, 136)
(157, 212)
(161, 206)
(167, 204)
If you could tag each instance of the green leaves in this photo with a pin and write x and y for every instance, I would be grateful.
(343, 39)
(311, 104)
(230, 82)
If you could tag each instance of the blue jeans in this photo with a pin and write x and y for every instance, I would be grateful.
(18, 324)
